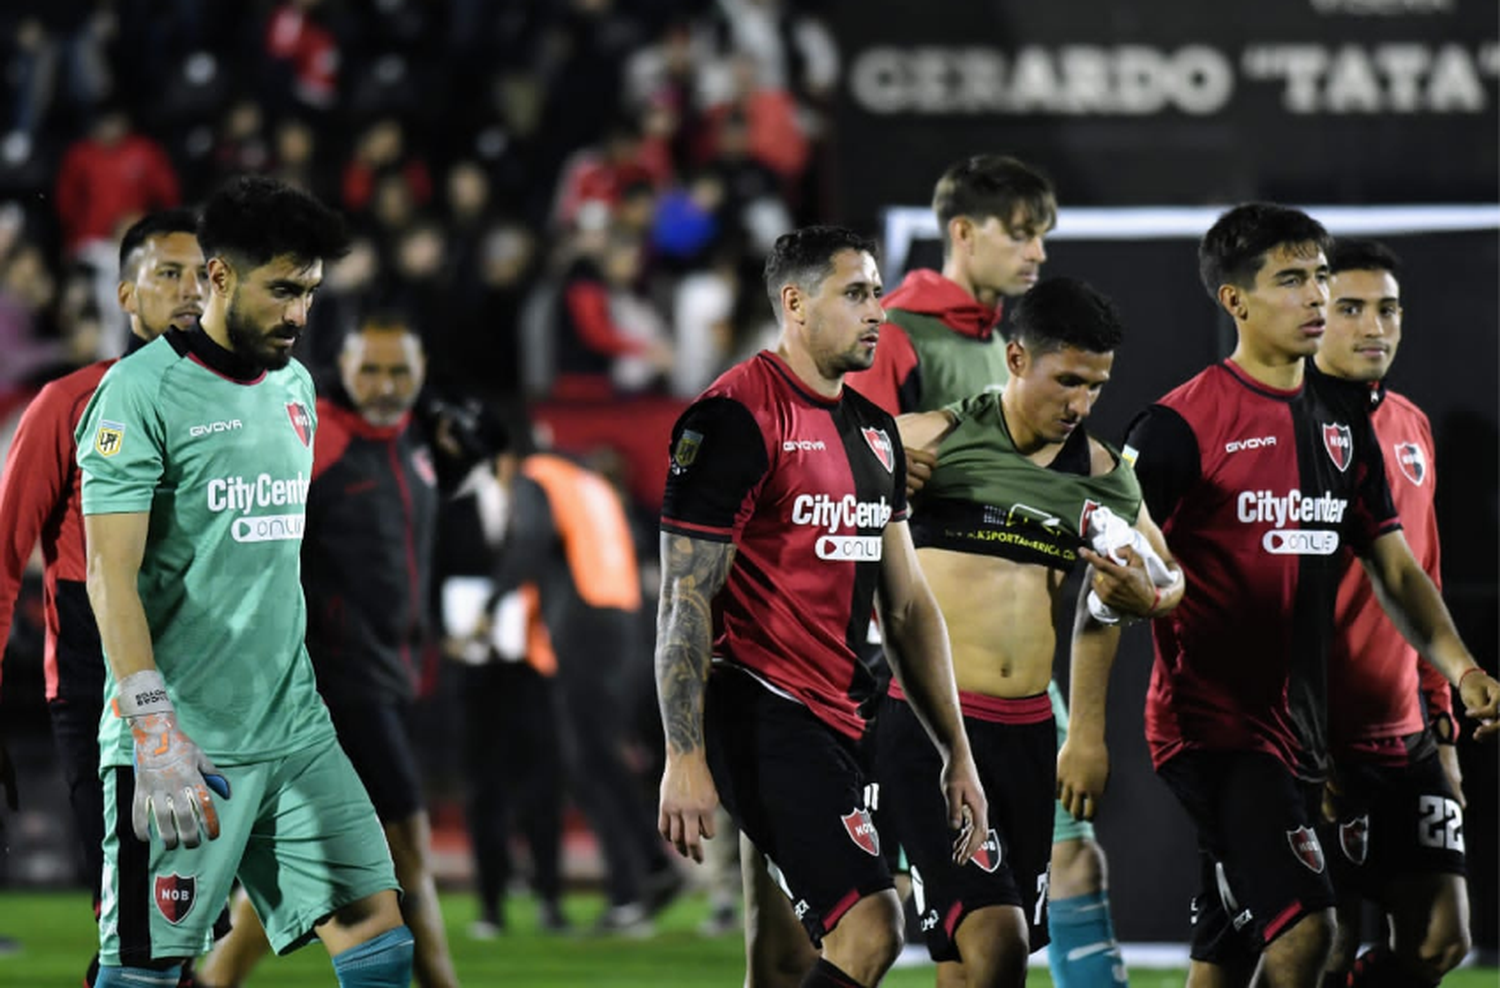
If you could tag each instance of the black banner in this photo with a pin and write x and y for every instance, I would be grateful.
(1174, 101)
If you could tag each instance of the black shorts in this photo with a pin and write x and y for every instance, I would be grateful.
(1262, 867)
(376, 737)
(1394, 821)
(794, 786)
(1015, 749)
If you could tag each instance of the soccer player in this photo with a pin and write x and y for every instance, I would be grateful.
(162, 280)
(1398, 839)
(366, 573)
(785, 509)
(196, 455)
(997, 528)
(1261, 474)
(942, 344)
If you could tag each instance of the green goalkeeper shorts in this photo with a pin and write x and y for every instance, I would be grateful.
(299, 832)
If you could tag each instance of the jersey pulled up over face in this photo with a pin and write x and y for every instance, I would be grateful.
(804, 486)
(222, 464)
(1258, 492)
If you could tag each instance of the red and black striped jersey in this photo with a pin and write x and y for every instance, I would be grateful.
(804, 487)
(1259, 492)
(1377, 676)
(39, 500)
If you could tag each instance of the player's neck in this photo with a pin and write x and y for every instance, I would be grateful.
(806, 370)
(1274, 369)
(954, 272)
(214, 326)
(1025, 439)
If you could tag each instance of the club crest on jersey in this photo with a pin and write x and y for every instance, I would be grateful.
(686, 450)
(1305, 846)
(1412, 459)
(1354, 838)
(990, 852)
(175, 895)
(862, 831)
(109, 437)
(301, 421)
(880, 444)
(1339, 442)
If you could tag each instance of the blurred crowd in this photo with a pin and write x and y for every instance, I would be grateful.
(570, 198)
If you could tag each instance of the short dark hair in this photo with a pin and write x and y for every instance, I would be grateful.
(1362, 255)
(985, 185)
(1235, 247)
(1066, 312)
(158, 224)
(805, 257)
(253, 219)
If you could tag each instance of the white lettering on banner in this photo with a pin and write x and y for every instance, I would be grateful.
(1294, 506)
(1195, 79)
(1125, 80)
(1388, 78)
(239, 494)
(822, 511)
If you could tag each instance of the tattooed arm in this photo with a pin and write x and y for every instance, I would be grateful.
(693, 570)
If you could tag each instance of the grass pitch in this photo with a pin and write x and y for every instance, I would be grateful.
(56, 936)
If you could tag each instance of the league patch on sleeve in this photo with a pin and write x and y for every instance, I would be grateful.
(109, 437)
(1129, 454)
(686, 450)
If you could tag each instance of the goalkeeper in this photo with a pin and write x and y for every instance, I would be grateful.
(217, 755)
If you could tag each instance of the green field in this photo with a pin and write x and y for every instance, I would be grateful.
(57, 937)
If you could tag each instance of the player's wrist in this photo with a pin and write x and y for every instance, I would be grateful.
(1466, 674)
(141, 694)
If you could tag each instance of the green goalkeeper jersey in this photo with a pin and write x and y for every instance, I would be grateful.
(221, 461)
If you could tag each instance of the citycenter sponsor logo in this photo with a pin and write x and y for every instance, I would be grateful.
(847, 512)
(1294, 508)
(245, 496)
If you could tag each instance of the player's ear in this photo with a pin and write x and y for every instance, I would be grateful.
(221, 276)
(961, 232)
(125, 295)
(792, 303)
(1015, 358)
(1232, 298)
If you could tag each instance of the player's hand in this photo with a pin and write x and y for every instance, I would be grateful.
(1481, 696)
(172, 774)
(968, 810)
(688, 801)
(1127, 589)
(1082, 774)
(919, 466)
(8, 783)
(1448, 757)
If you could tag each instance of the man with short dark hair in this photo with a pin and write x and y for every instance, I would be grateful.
(161, 286)
(1012, 501)
(1398, 836)
(197, 455)
(1262, 474)
(785, 508)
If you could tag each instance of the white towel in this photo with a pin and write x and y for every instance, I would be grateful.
(1110, 534)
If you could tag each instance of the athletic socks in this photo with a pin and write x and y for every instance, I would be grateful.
(137, 977)
(384, 962)
(825, 975)
(1083, 952)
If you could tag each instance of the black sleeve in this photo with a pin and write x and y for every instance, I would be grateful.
(1162, 448)
(1375, 511)
(898, 503)
(530, 539)
(718, 458)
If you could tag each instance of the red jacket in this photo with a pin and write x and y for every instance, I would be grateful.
(98, 187)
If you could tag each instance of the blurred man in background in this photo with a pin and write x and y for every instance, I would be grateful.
(161, 286)
(366, 566)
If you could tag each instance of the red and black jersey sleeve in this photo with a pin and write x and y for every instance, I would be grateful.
(718, 462)
(1163, 449)
(1374, 509)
